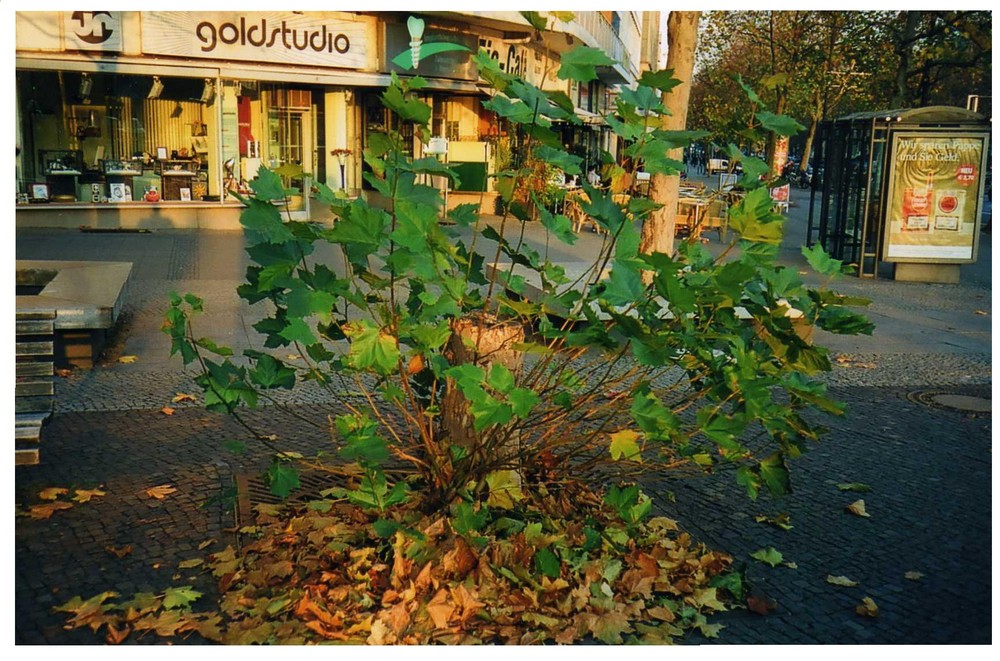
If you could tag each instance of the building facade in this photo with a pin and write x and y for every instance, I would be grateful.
(118, 110)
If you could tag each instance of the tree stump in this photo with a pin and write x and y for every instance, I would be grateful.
(483, 340)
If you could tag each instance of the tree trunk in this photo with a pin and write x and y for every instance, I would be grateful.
(483, 341)
(904, 49)
(810, 137)
(682, 37)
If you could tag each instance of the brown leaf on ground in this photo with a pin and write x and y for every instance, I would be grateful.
(115, 636)
(867, 607)
(63, 372)
(46, 510)
(440, 609)
(119, 552)
(166, 410)
(127, 360)
(160, 492)
(52, 493)
(760, 603)
(858, 509)
(183, 397)
(84, 495)
(983, 313)
(842, 581)
(188, 564)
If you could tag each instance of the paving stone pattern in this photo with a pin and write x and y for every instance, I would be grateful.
(929, 468)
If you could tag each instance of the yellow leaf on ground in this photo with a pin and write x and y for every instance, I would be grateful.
(119, 552)
(127, 360)
(182, 397)
(982, 312)
(84, 495)
(52, 493)
(858, 508)
(166, 410)
(188, 564)
(204, 545)
(913, 575)
(63, 372)
(160, 492)
(867, 607)
(293, 356)
(842, 581)
(47, 510)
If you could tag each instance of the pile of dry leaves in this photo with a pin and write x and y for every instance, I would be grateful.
(330, 571)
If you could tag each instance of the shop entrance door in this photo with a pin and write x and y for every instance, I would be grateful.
(290, 135)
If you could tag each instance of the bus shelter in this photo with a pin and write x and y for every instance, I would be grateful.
(903, 187)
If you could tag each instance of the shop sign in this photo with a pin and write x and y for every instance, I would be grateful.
(92, 30)
(934, 198)
(450, 63)
(272, 37)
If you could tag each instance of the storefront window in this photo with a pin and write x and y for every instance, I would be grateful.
(95, 137)
(275, 125)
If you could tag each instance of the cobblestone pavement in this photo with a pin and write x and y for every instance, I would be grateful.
(929, 468)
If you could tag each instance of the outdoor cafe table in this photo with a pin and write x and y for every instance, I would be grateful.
(694, 209)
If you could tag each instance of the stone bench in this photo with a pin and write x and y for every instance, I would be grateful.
(34, 390)
(86, 297)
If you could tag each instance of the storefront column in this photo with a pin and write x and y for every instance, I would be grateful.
(338, 125)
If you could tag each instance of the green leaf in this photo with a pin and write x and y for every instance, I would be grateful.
(853, 486)
(752, 95)
(267, 185)
(547, 563)
(500, 379)
(536, 19)
(732, 582)
(371, 348)
(522, 401)
(465, 519)
(234, 446)
(755, 219)
(749, 480)
(282, 478)
(562, 159)
(408, 109)
(297, 330)
(662, 80)
(643, 98)
(844, 322)
(580, 64)
(624, 285)
(385, 528)
(774, 473)
(264, 220)
(560, 226)
(271, 373)
(179, 597)
(625, 444)
(821, 262)
(780, 124)
(769, 556)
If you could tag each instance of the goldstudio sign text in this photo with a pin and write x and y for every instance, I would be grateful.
(267, 37)
(260, 34)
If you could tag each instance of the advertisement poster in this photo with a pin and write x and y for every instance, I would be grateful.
(934, 198)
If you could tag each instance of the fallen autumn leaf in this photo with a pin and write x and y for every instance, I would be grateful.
(867, 607)
(127, 360)
(84, 495)
(858, 509)
(160, 492)
(842, 581)
(52, 493)
(183, 397)
(913, 575)
(46, 510)
(166, 410)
